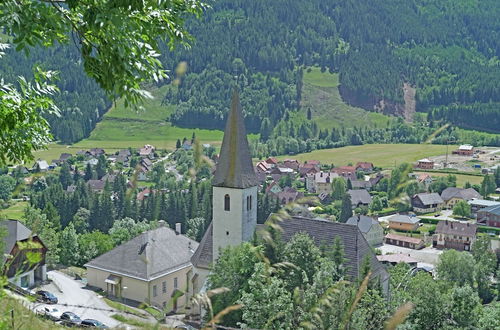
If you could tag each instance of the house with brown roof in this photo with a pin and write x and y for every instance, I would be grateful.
(364, 167)
(424, 179)
(291, 163)
(425, 164)
(397, 258)
(454, 235)
(404, 241)
(452, 195)
(262, 167)
(288, 195)
(427, 202)
(147, 151)
(347, 172)
(306, 169)
(272, 161)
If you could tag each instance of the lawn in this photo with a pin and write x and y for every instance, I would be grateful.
(321, 94)
(461, 178)
(16, 211)
(381, 155)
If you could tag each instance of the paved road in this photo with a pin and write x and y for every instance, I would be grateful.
(427, 255)
(73, 293)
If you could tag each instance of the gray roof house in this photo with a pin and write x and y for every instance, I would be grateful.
(453, 194)
(360, 197)
(149, 268)
(427, 202)
(370, 227)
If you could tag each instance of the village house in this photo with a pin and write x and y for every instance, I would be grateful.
(272, 162)
(404, 222)
(287, 195)
(404, 241)
(292, 164)
(308, 168)
(273, 188)
(369, 227)
(425, 164)
(278, 172)
(454, 235)
(40, 166)
(365, 167)
(464, 150)
(262, 167)
(427, 202)
(359, 197)
(347, 172)
(452, 195)
(480, 204)
(151, 268)
(424, 179)
(14, 258)
(96, 152)
(320, 182)
(147, 151)
(489, 216)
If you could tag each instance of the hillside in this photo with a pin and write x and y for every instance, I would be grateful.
(446, 49)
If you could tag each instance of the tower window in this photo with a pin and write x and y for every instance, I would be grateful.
(249, 203)
(227, 203)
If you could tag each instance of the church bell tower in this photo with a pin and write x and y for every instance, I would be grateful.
(234, 185)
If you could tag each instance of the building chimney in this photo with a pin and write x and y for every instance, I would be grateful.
(178, 228)
(161, 223)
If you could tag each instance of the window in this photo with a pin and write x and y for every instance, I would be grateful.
(175, 282)
(227, 203)
(249, 203)
(155, 293)
(164, 287)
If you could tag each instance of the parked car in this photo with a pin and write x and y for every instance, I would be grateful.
(91, 323)
(70, 319)
(46, 297)
(51, 313)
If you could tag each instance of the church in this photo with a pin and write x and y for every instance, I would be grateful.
(234, 221)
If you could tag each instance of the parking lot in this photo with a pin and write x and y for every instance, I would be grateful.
(72, 293)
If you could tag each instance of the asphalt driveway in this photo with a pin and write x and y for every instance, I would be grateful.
(73, 293)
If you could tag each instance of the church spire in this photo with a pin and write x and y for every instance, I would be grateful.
(235, 167)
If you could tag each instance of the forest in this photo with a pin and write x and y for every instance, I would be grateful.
(447, 49)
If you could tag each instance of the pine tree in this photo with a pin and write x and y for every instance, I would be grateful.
(349, 184)
(65, 176)
(178, 144)
(89, 173)
(309, 114)
(346, 211)
(101, 167)
(69, 246)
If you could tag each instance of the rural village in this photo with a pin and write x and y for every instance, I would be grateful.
(409, 215)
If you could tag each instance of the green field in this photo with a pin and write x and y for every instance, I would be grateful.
(382, 155)
(16, 211)
(321, 94)
(125, 127)
(461, 178)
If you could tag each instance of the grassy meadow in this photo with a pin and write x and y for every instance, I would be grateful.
(382, 155)
(321, 94)
(16, 211)
(461, 178)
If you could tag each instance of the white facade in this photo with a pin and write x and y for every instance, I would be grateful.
(237, 224)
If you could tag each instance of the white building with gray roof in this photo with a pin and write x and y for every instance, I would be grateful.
(151, 268)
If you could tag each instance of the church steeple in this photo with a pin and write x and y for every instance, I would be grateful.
(235, 168)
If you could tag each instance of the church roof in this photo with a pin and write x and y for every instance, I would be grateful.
(235, 168)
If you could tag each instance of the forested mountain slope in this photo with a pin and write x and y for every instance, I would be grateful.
(447, 49)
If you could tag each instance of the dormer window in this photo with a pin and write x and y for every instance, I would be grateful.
(227, 203)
